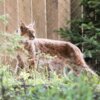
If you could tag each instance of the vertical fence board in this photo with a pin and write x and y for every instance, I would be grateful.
(52, 18)
(39, 15)
(24, 11)
(11, 11)
(1, 13)
(64, 14)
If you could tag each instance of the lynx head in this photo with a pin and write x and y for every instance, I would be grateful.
(27, 31)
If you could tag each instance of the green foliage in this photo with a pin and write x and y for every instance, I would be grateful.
(85, 32)
(9, 42)
(4, 18)
(33, 86)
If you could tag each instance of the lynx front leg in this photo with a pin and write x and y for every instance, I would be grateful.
(30, 47)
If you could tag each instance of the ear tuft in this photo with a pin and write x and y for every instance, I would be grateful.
(31, 25)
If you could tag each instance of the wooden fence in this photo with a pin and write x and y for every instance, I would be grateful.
(49, 15)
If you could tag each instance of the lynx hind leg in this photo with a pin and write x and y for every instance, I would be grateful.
(59, 66)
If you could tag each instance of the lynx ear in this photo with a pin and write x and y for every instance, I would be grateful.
(23, 29)
(22, 25)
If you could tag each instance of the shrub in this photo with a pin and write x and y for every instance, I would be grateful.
(31, 86)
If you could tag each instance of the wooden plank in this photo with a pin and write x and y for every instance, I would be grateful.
(64, 14)
(11, 11)
(39, 15)
(25, 11)
(52, 18)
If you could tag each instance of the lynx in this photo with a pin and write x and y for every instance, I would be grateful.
(67, 51)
